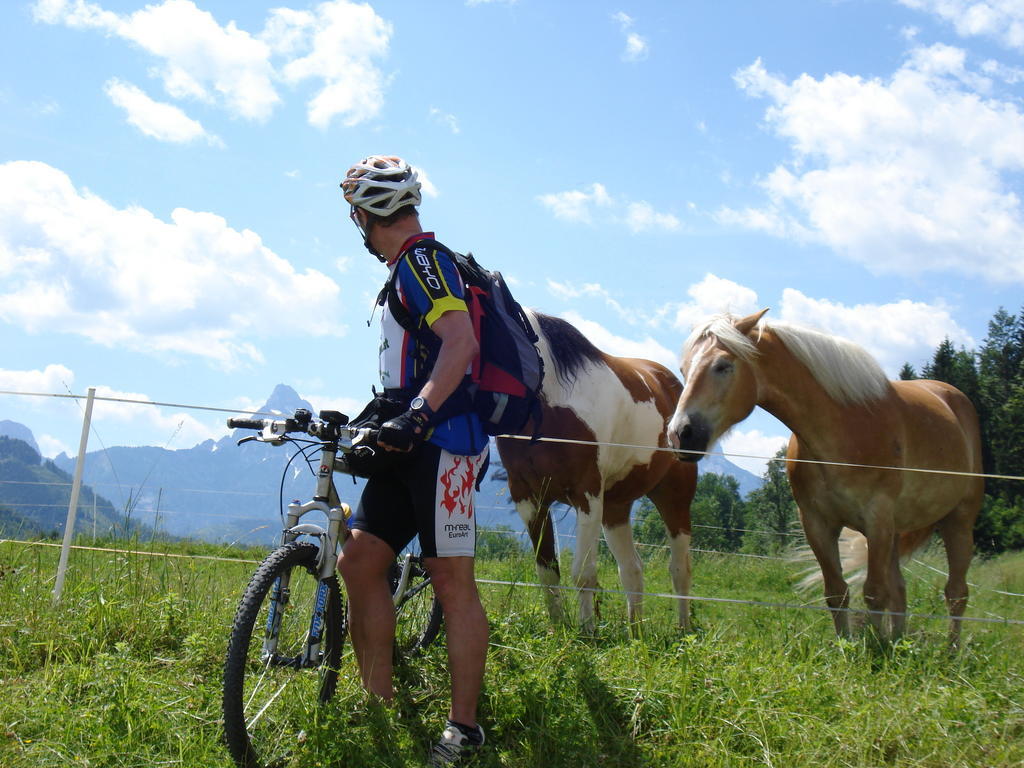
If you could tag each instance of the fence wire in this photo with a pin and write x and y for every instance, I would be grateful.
(566, 441)
(592, 590)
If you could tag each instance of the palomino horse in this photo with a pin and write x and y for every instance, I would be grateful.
(612, 404)
(842, 408)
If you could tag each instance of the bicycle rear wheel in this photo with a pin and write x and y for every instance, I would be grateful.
(418, 614)
(271, 691)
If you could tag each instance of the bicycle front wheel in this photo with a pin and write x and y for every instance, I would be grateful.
(276, 672)
(418, 614)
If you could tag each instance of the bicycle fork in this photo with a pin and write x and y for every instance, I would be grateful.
(281, 594)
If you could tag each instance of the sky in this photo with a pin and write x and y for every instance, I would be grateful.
(171, 227)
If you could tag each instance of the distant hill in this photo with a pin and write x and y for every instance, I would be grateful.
(719, 465)
(19, 432)
(34, 496)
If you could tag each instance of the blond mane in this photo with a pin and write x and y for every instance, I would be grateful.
(845, 370)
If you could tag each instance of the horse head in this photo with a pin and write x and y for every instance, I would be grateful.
(721, 386)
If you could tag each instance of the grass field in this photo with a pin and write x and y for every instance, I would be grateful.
(126, 672)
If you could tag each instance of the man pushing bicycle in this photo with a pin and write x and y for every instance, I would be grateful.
(436, 449)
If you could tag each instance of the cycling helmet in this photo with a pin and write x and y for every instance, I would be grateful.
(381, 184)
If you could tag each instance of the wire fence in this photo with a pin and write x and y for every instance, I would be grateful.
(732, 601)
(695, 598)
(560, 440)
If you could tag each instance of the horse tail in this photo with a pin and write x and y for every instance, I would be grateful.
(853, 554)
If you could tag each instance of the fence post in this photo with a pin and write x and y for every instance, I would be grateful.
(76, 486)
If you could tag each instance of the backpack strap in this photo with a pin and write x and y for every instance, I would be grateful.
(459, 401)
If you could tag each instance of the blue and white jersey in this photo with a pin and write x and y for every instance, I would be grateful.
(428, 285)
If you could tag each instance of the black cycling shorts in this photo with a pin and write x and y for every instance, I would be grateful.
(430, 497)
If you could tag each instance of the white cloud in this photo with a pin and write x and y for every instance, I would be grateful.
(164, 122)
(619, 345)
(711, 296)
(341, 40)
(582, 205)
(636, 45)
(641, 217)
(1009, 75)
(750, 449)
(426, 185)
(576, 205)
(566, 291)
(192, 286)
(450, 121)
(894, 333)
(157, 423)
(54, 379)
(199, 58)
(335, 45)
(999, 19)
(907, 174)
(168, 428)
(51, 447)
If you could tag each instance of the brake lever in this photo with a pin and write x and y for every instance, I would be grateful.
(247, 439)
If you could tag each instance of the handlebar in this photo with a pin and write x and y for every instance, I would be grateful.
(328, 426)
(245, 423)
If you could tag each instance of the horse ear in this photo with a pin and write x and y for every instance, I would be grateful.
(746, 325)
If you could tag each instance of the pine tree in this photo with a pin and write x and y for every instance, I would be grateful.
(771, 508)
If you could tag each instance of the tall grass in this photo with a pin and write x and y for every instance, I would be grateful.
(126, 672)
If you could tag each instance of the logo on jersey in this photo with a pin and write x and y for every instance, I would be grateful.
(429, 273)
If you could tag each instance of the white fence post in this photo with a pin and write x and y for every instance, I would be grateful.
(76, 486)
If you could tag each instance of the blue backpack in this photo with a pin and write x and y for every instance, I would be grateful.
(506, 377)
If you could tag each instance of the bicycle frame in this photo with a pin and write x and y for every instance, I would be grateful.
(331, 539)
(325, 501)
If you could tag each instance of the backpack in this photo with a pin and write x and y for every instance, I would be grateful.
(506, 376)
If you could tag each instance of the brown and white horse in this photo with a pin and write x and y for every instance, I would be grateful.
(613, 404)
(843, 409)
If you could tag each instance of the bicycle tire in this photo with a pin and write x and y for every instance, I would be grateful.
(418, 614)
(262, 727)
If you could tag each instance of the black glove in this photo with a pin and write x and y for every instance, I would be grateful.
(404, 432)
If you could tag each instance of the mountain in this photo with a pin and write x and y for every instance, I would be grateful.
(216, 490)
(719, 465)
(34, 496)
(19, 432)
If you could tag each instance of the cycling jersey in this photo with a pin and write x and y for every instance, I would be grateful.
(428, 285)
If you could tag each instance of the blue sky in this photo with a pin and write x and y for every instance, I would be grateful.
(171, 227)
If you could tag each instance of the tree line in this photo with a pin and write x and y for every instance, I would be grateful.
(765, 522)
(992, 376)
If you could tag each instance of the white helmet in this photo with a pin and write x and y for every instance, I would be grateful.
(381, 184)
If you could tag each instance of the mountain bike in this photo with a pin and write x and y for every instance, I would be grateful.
(284, 654)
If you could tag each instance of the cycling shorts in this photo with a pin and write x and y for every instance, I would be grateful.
(430, 496)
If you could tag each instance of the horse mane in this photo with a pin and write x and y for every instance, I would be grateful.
(846, 371)
(570, 349)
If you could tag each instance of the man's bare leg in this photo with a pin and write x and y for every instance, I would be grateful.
(363, 564)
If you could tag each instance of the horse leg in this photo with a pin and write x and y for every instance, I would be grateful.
(672, 498)
(823, 539)
(882, 540)
(584, 564)
(620, 541)
(897, 590)
(957, 531)
(545, 552)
